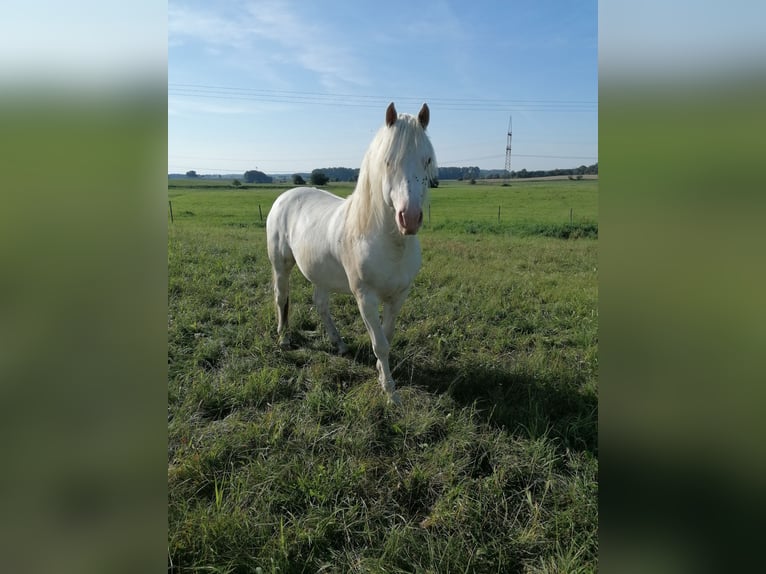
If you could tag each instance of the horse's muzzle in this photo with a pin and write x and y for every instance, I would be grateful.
(409, 220)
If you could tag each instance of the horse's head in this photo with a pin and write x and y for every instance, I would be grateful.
(410, 166)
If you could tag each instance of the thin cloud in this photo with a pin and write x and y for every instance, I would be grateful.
(269, 33)
(297, 39)
(186, 25)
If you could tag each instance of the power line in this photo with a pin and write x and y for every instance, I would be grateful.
(465, 160)
(336, 95)
(368, 101)
(293, 97)
(557, 156)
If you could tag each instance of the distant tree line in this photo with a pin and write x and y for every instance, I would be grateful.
(459, 173)
(324, 175)
(250, 176)
(255, 176)
(349, 174)
(338, 173)
(522, 174)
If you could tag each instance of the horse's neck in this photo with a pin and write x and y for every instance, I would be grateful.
(364, 216)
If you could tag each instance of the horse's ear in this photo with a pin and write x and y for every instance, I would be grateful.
(424, 115)
(390, 115)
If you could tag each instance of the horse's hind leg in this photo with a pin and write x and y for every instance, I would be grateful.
(322, 302)
(282, 300)
(282, 264)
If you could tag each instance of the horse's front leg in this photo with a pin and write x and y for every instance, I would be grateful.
(391, 310)
(368, 306)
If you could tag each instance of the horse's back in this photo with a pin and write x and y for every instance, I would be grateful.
(302, 211)
(296, 196)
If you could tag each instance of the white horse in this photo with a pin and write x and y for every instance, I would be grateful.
(365, 244)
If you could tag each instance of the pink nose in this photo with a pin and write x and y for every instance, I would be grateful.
(409, 220)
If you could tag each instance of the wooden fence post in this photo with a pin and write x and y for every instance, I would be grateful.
(171, 210)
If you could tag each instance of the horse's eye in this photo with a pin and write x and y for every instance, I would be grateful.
(428, 162)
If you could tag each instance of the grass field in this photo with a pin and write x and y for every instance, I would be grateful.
(292, 461)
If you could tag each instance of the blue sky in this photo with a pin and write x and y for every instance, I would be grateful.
(287, 86)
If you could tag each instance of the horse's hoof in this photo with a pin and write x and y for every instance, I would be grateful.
(284, 343)
(342, 350)
(395, 399)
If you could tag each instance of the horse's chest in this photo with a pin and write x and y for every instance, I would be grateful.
(398, 281)
(391, 271)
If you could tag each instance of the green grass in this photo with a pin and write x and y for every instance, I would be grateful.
(294, 462)
(559, 209)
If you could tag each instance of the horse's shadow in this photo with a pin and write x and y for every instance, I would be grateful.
(528, 404)
(524, 404)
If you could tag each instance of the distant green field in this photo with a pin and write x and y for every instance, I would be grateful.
(526, 208)
(527, 202)
(292, 461)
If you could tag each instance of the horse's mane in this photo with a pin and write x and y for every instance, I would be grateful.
(388, 150)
